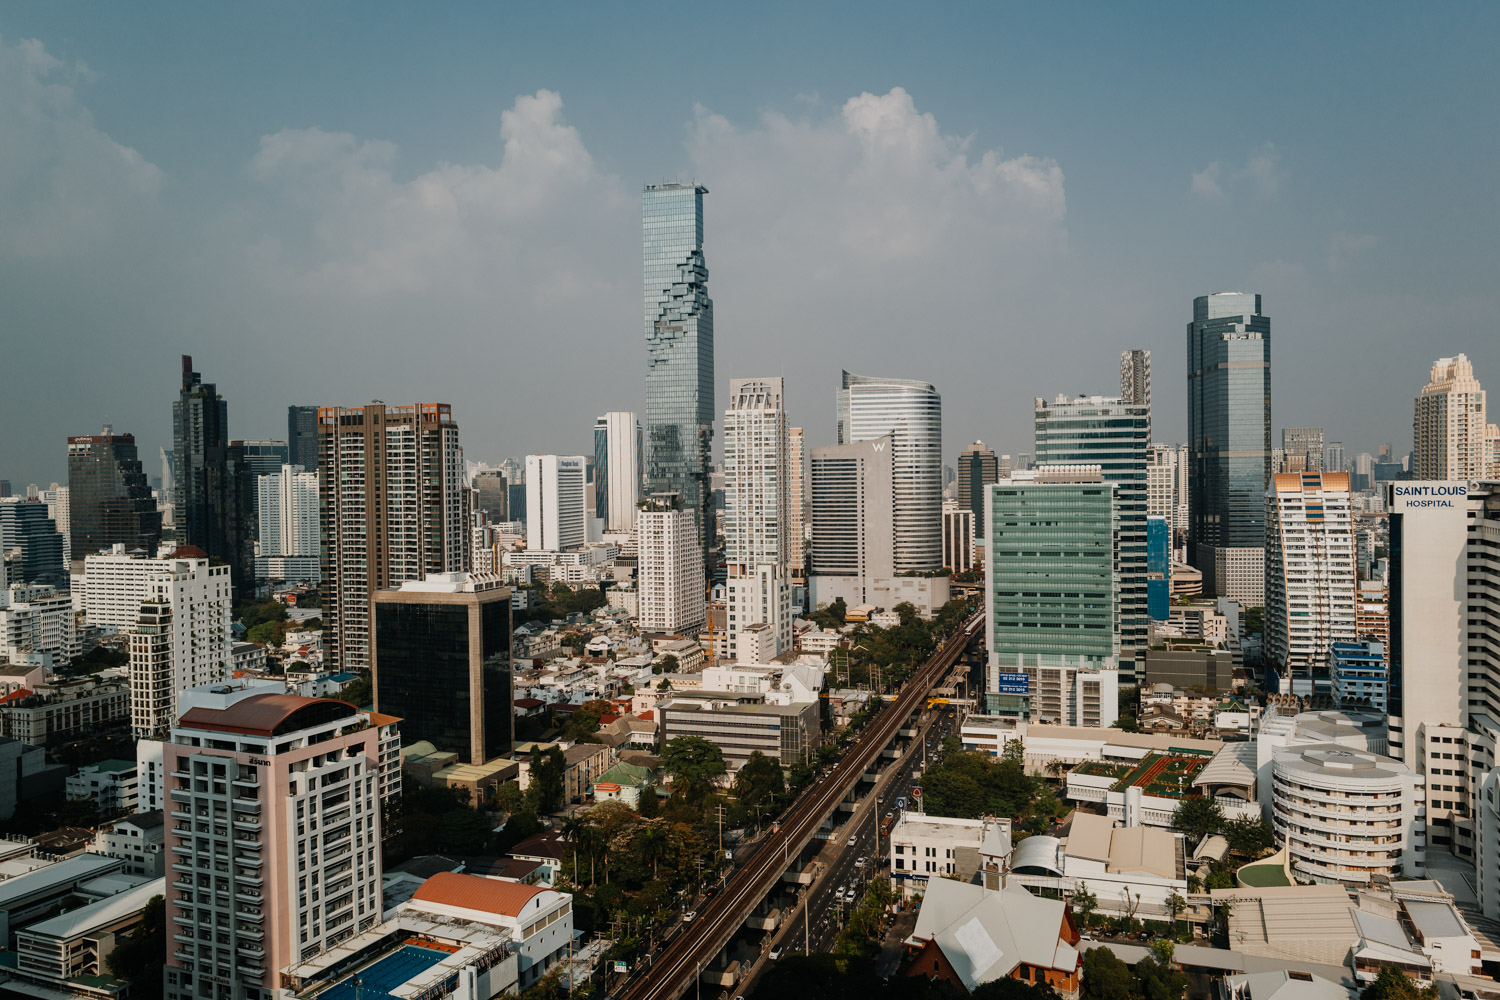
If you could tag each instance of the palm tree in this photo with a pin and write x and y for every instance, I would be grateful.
(652, 843)
(1085, 903)
(575, 830)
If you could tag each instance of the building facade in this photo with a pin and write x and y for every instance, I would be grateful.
(958, 538)
(797, 511)
(180, 637)
(557, 520)
(1310, 579)
(213, 503)
(1158, 568)
(1302, 450)
(302, 437)
(670, 582)
(978, 467)
(852, 530)
(1229, 442)
(1135, 377)
(31, 547)
(757, 513)
(109, 500)
(492, 495)
(619, 458)
(287, 507)
(1448, 424)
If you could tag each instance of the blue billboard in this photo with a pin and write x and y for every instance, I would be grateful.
(1014, 684)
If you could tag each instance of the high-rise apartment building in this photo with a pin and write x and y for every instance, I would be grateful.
(618, 460)
(1301, 449)
(109, 500)
(180, 637)
(30, 543)
(1448, 424)
(1115, 435)
(911, 414)
(1333, 457)
(1310, 579)
(958, 538)
(36, 625)
(1135, 377)
(302, 437)
(1051, 584)
(669, 577)
(1229, 443)
(213, 504)
(978, 467)
(853, 543)
(492, 495)
(287, 507)
(274, 835)
(680, 348)
(757, 513)
(442, 660)
(797, 514)
(1166, 493)
(556, 519)
(392, 508)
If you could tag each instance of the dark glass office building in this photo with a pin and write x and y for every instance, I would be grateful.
(109, 500)
(1158, 568)
(441, 661)
(302, 437)
(494, 495)
(26, 529)
(213, 488)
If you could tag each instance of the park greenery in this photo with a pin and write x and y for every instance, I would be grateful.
(556, 603)
(970, 784)
(1200, 817)
(1105, 977)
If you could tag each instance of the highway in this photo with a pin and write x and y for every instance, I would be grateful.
(678, 965)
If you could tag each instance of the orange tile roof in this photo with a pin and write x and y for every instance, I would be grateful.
(475, 892)
(381, 719)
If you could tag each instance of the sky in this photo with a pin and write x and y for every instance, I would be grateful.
(337, 202)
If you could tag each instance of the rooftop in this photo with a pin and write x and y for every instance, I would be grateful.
(475, 892)
(267, 715)
(99, 915)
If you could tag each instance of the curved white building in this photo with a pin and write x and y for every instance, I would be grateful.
(1347, 815)
(911, 413)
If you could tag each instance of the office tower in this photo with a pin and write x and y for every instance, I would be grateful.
(58, 502)
(1301, 449)
(1310, 580)
(618, 457)
(1448, 424)
(264, 458)
(31, 543)
(36, 625)
(492, 495)
(1158, 568)
(1229, 443)
(302, 437)
(108, 499)
(517, 495)
(853, 541)
(1114, 435)
(441, 660)
(212, 507)
(797, 506)
(977, 468)
(391, 508)
(911, 413)
(958, 538)
(180, 637)
(557, 521)
(1135, 377)
(1052, 616)
(669, 577)
(1162, 498)
(680, 347)
(757, 513)
(1333, 457)
(287, 506)
(280, 860)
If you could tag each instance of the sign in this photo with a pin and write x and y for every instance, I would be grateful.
(901, 802)
(1407, 497)
(1013, 683)
(619, 966)
(259, 760)
(916, 791)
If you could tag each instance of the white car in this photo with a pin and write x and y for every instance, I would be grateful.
(860, 863)
(775, 953)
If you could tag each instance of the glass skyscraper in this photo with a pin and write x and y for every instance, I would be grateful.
(912, 414)
(213, 489)
(1229, 442)
(109, 500)
(1158, 567)
(680, 348)
(1116, 436)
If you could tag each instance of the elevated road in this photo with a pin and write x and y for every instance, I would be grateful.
(677, 967)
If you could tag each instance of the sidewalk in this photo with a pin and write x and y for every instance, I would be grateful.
(892, 946)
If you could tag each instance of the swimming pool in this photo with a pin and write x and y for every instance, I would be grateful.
(376, 981)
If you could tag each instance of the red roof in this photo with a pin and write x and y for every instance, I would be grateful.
(17, 695)
(475, 892)
(267, 714)
(187, 552)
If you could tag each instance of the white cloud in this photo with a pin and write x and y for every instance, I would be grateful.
(65, 185)
(1261, 175)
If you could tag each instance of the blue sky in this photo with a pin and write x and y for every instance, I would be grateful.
(336, 202)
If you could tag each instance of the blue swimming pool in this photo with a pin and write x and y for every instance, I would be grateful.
(376, 981)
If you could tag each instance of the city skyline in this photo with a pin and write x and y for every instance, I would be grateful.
(837, 190)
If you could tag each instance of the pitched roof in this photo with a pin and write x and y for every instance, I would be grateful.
(187, 552)
(985, 933)
(475, 892)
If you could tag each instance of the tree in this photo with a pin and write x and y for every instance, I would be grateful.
(463, 831)
(1126, 723)
(137, 959)
(1248, 836)
(693, 763)
(1014, 751)
(1198, 817)
(359, 692)
(547, 771)
(759, 782)
(831, 617)
(1105, 977)
(652, 845)
(1162, 949)
(1175, 905)
(908, 613)
(1084, 904)
(583, 723)
(1006, 988)
(1155, 981)
(668, 664)
(1393, 984)
(648, 805)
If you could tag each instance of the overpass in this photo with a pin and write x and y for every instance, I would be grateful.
(679, 965)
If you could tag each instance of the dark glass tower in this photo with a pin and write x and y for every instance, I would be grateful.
(494, 495)
(680, 346)
(109, 500)
(302, 437)
(977, 468)
(1229, 433)
(212, 486)
(26, 530)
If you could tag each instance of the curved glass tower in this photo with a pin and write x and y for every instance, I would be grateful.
(911, 413)
(680, 347)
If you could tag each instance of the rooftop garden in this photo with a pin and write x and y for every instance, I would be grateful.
(1168, 776)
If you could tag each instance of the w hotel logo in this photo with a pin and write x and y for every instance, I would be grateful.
(878, 445)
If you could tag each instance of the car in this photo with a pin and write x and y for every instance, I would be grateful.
(859, 863)
(851, 841)
(689, 916)
(775, 953)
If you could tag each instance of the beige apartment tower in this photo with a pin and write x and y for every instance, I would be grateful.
(1448, 424)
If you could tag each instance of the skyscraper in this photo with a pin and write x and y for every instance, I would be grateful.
(852, 509)
(263, 458)
(1333, 457)
(977, 468)
(797, 506)
(30, 543)
(1301, 449)
(1448, 424)
(302, 437)
(680, 348)
(1115, 436)
(1229, 442)
(670, 574)
(180, 634)
(1135, 376)
(1310, 581)
(493, 495)
(1158, 567)
(912, 414)
(756, 512)
(213, 503)
(287, 508)
(108, 498)
(618, 457)
(392, 508)
(556, 520)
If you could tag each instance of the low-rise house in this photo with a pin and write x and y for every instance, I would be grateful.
(625, 783)
(584, 763)
(112, 785)
(138, 840)
(927, 847)
(547, 849)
